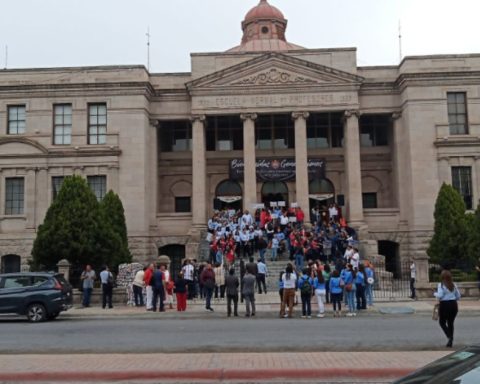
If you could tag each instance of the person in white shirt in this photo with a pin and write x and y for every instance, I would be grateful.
(447, 294)
(413, 277)
(188, 271)
(333, 212)
(355, 260)
(138, 285)
(289, 280)
(247, 220)
(348, 253)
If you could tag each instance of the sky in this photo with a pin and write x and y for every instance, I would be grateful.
(56, 33)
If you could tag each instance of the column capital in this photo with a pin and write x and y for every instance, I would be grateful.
(154, 123)
(396, 115)
(476, 158)
(300, 115)
(444, 158)
(351, 113)
(248, 116)
(200, 118)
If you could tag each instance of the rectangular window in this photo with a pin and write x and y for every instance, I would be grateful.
(98, 184)
(97, 124)
(224, 133)
(57, 182)
(14, 196)
(274, 132)
(176, 136)
(369, 200)
(324, 130)
(457, 113)
(183, 204)
(462, 182)
(374, 130)
(16, 120)
(62, 124)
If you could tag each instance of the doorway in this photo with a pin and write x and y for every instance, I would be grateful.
(11, 264)
(390, 250)
(176, 252)
(273, 191)
(228, 195)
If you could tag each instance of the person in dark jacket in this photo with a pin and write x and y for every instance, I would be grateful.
(232, 283)
(249, 293)
(181, 291)
(207, 278)
(158, 286)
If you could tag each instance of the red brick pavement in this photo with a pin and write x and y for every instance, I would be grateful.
(213, 367)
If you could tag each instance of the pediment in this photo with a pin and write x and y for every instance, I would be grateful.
(274, 70)
(19, 146)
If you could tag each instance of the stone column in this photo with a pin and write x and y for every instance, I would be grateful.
(199, 175)
(64, 269)
(444, 170)
(353, 169)
(399, 167)
(476, 194)
(153, 173)
(249, 160)
(30, 197)
(301, 160)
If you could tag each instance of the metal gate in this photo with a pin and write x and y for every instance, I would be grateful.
(392, 281)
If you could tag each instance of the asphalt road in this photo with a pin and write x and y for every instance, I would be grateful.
(130, 335)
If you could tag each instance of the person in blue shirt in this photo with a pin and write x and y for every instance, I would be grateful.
(305, 285)
(360, 283)
(370, 280)
(447, 294)
(336, 293)
(348, 279)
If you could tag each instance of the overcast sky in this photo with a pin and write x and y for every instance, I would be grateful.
(52, 33)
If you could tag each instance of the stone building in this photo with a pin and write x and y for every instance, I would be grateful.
(378, 140)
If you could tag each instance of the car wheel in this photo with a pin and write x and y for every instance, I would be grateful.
(36, 313)
(53, 316)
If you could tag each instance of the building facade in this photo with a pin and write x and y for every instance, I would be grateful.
(380, 141)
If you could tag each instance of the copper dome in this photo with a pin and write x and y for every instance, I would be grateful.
(264, 11)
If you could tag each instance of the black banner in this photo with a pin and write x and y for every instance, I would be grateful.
(277, 169)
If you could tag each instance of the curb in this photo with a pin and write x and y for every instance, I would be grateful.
(210, 375)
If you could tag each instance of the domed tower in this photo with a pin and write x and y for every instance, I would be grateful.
(264, 29)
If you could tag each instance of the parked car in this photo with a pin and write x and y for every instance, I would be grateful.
(462, 367)
(39, 296)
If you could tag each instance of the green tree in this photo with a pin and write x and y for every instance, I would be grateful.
(111, 208)
(473, 231)
(449, 243)
(71, 227)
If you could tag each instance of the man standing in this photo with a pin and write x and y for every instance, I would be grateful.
(413, 277)
(249, 293)
(232, 283)
(208, 280)
(188, 275)
(107, 287)
(261, 276)
(158, 285)
(148, 283)
(138, 284)
(87, 277)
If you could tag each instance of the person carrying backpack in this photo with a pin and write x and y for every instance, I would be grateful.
(305, 284)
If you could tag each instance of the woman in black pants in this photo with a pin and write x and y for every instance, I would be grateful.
(447, 294)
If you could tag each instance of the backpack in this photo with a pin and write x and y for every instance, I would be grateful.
(306, 287)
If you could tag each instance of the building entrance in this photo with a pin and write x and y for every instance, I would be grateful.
(322, 194)
(228, 195)
(176, 252)
(10, 264)
(274, 191)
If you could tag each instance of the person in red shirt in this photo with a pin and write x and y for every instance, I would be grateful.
(300, 216)
(147, 278)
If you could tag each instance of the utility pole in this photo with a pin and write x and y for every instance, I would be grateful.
(400, 39)
(148, 48)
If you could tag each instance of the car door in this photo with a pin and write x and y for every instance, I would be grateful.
(12, 292)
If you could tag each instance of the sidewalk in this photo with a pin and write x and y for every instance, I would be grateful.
(214, 367)
(266, 305)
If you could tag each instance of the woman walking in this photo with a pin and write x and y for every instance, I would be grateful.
(447, 294)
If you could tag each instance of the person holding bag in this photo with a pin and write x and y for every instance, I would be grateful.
(447, 294)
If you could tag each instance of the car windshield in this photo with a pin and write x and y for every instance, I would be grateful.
(461, 367)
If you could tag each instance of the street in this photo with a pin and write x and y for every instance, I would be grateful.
(218, 334)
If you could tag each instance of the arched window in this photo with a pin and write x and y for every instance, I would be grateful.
(321, 186)
(228, 188)
(274, 191)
